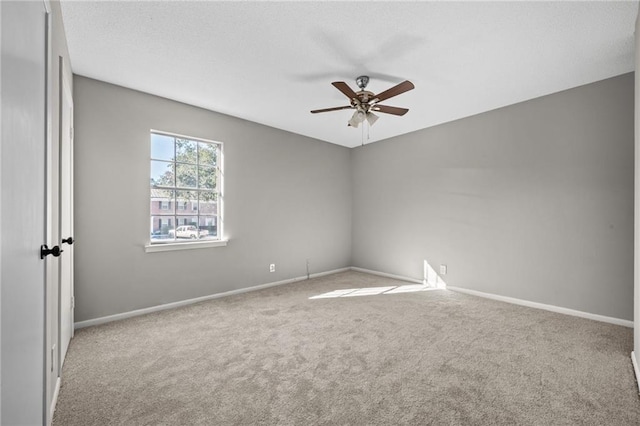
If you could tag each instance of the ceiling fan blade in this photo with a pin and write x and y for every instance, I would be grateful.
(344, 88)
(315, 111)
(405, 86)
(390, 110)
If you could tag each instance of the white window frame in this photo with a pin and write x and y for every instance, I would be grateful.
(220, 241)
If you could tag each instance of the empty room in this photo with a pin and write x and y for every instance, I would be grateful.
(319, 213)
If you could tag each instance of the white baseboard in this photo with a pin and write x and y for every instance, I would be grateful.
(636, 369)
(384, 274)
(54, 401)
(322, 274)
(552, 308)
(137, 312)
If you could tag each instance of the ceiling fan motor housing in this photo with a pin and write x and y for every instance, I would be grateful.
(362, 81)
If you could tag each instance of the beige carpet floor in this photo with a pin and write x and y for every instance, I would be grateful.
(277, 357)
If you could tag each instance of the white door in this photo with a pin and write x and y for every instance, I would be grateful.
(66, 215)
(22, 212)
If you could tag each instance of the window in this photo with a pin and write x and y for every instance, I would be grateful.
(185, 172)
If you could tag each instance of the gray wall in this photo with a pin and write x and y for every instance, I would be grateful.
(288, 199)
(532, 201)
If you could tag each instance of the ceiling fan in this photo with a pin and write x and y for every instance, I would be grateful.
(365, 102)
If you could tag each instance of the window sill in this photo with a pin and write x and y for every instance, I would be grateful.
(153, 248)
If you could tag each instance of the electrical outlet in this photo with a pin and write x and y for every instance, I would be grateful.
(443, 269)
(272, 267)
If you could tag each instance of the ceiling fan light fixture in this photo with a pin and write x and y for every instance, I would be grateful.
(371, 118)
(357, 118)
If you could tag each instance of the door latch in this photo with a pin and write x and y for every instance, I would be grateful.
(46, 251)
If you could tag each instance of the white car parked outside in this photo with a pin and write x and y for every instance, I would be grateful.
(188, 231)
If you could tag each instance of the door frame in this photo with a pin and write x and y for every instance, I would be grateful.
(51, 379)
(65, 91)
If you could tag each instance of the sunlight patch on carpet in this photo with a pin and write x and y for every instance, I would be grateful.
(373, 291)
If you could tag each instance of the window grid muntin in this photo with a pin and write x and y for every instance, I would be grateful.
(186, 211)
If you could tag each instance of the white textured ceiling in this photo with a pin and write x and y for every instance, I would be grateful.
(273, 62)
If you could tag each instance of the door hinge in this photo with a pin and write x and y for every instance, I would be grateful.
(53, 348)
(71, 132)
(73, 302)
